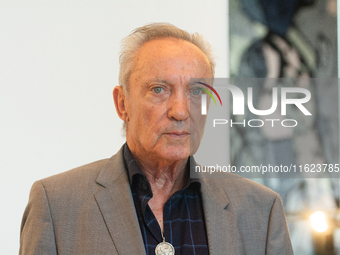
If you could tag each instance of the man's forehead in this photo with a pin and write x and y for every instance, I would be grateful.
(171, 49)
(167, 41)
(170, 45)
(191, 81)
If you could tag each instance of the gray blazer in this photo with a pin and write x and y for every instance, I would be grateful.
(90, 210)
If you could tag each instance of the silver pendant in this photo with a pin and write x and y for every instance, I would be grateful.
(164, 248)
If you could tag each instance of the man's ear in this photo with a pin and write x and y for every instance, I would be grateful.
(119, 98)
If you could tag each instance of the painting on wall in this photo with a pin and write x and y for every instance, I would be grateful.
(285, 40)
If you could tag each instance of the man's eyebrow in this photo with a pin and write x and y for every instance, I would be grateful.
(191, 82)
(195, 81)
(157, 80)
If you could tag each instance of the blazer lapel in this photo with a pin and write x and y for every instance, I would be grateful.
(117, 207)
(220, 222)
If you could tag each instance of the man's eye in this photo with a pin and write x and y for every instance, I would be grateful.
(196, 92)
(158, 90)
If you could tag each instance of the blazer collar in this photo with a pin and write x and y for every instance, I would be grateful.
(219, 219)
(115, 202)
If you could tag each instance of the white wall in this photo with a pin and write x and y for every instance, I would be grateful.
(58, 66)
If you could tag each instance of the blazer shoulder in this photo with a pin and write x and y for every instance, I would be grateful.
(87, 174)
(248, 185)
(83, 173)
(235, 182)
(241, 191)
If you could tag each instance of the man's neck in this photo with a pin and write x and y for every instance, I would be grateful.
(164, 177)
(164, 180)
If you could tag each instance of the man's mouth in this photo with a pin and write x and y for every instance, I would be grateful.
(178, 134)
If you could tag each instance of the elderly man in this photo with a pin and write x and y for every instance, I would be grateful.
(142, 200)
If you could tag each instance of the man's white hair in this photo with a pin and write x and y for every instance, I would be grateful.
(131, 45)
(133, 42)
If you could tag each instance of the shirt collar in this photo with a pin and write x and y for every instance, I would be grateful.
(135, 173)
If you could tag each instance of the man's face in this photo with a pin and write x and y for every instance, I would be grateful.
(158, 103)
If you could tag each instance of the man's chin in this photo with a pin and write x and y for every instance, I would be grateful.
(176, 153)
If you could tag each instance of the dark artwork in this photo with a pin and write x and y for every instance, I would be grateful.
(291, 39)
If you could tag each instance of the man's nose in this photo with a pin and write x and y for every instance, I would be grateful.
(179, 107)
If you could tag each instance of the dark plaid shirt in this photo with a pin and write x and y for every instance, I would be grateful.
(183, 216)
